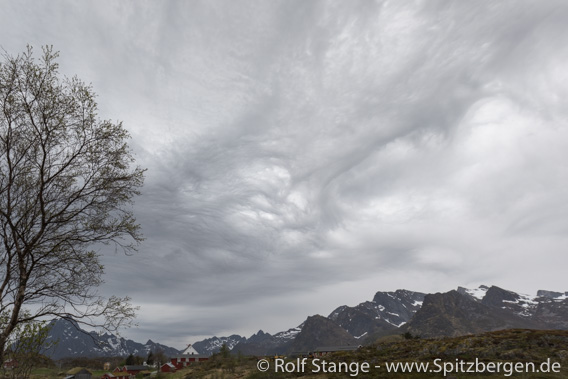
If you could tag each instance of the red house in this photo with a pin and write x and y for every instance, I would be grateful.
(168, 367)
(185, 360)
(130, 369)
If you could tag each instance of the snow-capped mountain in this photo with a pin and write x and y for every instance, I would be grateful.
(471, 311)
(72, 341)
(453, 313)
(384, 314)
(548, 308)
(288, 335)
(260, 343)
(387, 311)
(213, 345)
(520, 304)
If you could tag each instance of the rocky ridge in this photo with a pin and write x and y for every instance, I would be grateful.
(454, 313)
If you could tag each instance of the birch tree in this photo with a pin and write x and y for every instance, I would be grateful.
(67, 183)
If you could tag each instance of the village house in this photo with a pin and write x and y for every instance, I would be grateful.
(181, 361)
(168, 367)
(188, 357)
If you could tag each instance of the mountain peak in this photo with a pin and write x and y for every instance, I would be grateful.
(477, 293)
(454, 313)
(321, 331)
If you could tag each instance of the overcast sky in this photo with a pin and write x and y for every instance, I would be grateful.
(303, 154)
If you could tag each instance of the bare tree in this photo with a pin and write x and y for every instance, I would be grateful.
(67, 180)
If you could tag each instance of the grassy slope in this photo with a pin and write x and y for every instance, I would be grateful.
(501, 346)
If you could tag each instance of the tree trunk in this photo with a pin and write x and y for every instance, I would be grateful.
(3, 340)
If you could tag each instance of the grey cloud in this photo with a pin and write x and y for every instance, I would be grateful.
(296, 146)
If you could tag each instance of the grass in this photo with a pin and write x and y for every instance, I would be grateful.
(53, 373)
(517, 346)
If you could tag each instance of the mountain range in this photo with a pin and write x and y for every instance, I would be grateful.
(72, 341)
(454, 313)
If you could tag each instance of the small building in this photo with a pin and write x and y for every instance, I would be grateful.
(184, 360)
(168, 367)
(324, 350)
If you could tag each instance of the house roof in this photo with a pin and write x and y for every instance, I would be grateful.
(189, 350)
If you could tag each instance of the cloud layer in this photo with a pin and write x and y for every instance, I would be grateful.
(302, 155)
